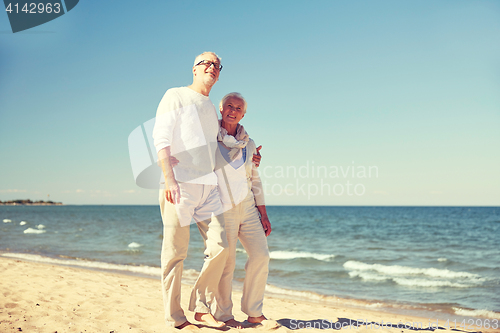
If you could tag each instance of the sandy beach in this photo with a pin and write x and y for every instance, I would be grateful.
(43, 298)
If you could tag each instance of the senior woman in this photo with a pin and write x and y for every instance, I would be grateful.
(245, 213)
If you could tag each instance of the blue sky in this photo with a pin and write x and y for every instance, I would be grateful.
(409, 90)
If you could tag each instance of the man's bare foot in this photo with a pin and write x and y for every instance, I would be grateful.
(234, 323)
(208, 319)
(256, 320)
(187, 326)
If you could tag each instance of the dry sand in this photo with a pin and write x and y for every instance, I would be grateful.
(43, 298)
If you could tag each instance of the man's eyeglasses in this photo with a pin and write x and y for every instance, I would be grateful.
(208, 63)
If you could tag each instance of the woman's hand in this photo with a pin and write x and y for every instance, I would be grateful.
(256, 157)
(266, 224)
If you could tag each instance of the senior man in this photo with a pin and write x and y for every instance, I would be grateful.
(186, 128)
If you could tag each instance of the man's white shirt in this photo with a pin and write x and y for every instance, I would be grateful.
(186, 121)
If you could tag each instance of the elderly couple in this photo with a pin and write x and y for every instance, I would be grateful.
(210, 174)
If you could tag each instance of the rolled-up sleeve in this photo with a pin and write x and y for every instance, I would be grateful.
(257, 189)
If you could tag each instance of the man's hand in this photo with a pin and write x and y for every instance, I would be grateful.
(266, 225)
(256, 157)
(173, 194)
(173, 161)
(172, 189)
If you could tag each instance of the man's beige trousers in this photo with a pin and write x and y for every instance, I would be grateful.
(202, 202)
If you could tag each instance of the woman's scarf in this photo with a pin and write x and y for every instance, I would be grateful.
(234, 143)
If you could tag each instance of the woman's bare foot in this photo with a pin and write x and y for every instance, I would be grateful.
(234, 323)
(187, 326)
(208, 319)
(256, 320)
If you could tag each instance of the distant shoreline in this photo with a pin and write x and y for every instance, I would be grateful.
(28, 202)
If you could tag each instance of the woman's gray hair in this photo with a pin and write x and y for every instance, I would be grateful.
(233, 94)
(200, 57)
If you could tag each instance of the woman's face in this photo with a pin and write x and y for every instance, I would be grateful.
(233, 110)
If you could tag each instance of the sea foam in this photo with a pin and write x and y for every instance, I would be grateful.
(148, 270)
(34, 231)
(367, 276)
(134, 245)
(429, 283)
(411, 276)
(295, 293)
(6, 221)
(477, 313)
(188, 275)
(312, 296)
(404, 270)
(288, 255)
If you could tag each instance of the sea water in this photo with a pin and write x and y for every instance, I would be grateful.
(430, 258)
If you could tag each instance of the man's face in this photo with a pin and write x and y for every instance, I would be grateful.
(233, 110)
(207, 72)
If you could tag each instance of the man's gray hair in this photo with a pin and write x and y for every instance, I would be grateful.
(200, 57)
(233, 94)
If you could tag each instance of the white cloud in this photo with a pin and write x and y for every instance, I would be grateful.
(130, 191)
(13, 191)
